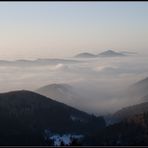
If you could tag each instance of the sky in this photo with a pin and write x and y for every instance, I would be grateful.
(62, 29)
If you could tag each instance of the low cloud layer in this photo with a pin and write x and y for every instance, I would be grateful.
(101, 81)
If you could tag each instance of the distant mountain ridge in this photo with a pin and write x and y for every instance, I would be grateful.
(85, 55)
(107, 53)
(62, 92)
(111, 53)
(140, 90)
(141, 86)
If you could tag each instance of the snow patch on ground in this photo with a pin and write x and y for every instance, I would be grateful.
(66, 139)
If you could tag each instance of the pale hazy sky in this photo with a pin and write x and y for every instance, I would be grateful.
(61, 29)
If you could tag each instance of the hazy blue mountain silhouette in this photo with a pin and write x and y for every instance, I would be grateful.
(111, 53)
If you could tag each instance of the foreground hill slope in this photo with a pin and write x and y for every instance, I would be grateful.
(25, 116)
(132, 131)
(131, 110)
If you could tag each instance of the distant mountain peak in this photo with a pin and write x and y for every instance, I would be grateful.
(85, 55)
(65, 93)
(145, 80)
(107, 53)
(140, 89)
(110, 53)
(56, 86)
